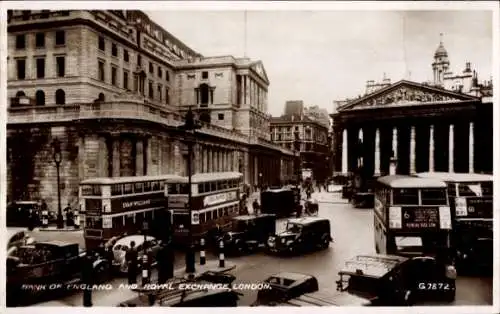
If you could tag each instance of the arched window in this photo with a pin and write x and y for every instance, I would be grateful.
(60, 97)
(40, 98)
(20, 94)
(101, 97)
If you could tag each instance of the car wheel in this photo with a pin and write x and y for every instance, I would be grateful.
(450, 296)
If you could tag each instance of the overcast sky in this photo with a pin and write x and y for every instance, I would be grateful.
(321, 56)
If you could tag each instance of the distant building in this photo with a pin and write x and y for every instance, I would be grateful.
(444, 125)
(313, 141)
(319, 114)
(294, 107)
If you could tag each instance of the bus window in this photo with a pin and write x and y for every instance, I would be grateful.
(117, 222)
(224, 185)
(147, 186)
(116, 189)
(129, 220)
(93, 222)
(138, 187)
(91, 190)
(221, 212)
(162, 185)
(226, 211)
(202, 217)
(405, 196)
(475, 189)
(214, 214)
(155, 186)
(183, 189)
(433, 196)
(487, 188)
(206, 187)
(452, 190)
(209, 215)
(127, 188)
(213, 186)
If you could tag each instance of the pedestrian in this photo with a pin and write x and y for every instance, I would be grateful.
(299, 211)
(131, 259)
(69, 215)
(256, 207)
(108, 255)
(31, 220)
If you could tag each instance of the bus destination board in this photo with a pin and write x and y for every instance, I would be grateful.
(420, 218)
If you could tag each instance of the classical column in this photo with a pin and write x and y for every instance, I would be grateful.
(102, 170)
(139, 157)
(344, 152)
(116, 156)
(81, 158)
(451, 166)
(149, 157)
(209, 159)
(395, 142)
(413, 153)
(361, 153)
(431, 149)
(377, 152)
(159, 146)
(471, 147)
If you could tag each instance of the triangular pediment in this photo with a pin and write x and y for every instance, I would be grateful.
(406, 93)
(258, 67)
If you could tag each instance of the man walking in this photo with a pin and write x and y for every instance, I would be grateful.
(131, 259)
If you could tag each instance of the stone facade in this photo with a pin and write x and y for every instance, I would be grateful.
(113, 89)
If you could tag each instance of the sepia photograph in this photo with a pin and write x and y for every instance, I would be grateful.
(249, 155)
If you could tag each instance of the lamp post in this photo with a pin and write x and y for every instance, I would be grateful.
(297, 156)
(57, 156)
(189, 129)
(260, 181)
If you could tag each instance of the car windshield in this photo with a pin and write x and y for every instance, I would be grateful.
(241, 226)
(294, 228)
(475, 189)
(360, 285)
(419, 244)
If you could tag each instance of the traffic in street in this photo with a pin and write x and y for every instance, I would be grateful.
(352, 233)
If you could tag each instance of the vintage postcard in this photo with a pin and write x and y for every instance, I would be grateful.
(233, 154)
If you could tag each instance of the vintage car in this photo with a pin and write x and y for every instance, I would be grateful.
(37, 268)
(18, 213)
(390, 280)
(320, 298)
(249, 232)
(302, 234)
(178, 296)
(17, 237)
(285, 286)
(280, 202)
(122, 245)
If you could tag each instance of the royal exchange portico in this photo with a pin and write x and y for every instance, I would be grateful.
(425, 128)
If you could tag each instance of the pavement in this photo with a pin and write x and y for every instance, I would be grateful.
(352, 232)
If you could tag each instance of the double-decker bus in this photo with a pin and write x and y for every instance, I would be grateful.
(215, 200)
(412, 217)
(471, 201)
(114, 206)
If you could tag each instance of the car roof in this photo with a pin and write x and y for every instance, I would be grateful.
(375, 266)
(292, 276)
(277, 190)
(138, 239)
(56, 243)
(252, 217)
(402, 181)
(306, 220)
(26, 202)
(131, 179)
(456, 177)
(13, 231)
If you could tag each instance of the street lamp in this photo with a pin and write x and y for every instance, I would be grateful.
(189, 128)
(57, 155)
(260, 181)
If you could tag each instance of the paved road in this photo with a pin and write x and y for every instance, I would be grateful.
(352, 230)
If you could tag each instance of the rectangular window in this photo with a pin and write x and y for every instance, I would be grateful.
(40, 68)
(204, 75)
(21, 41)
(125, 80)
(167, 76)
(127, 188)
(102, 75)
(221, 116)
(151, 67)
(61, 66)
(151, 89)
(405, 196)
(40, 40)
(113, 75)
(116, 189)
(60, 38)
(167, 96)
(159, 91)
(136, 83)
(433, 196)
(139, 60)
(114, 50)
(102, 44)
(125, 55)
(160, 72)
(21, 69)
